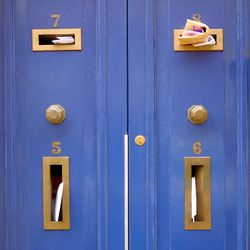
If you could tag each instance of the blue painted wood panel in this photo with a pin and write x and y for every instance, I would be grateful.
(2, 135)
(163, 84)
(91, 85)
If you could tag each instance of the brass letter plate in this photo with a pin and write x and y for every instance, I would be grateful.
(42, 39)
(197, 193)
(216, 33)
(55, 172)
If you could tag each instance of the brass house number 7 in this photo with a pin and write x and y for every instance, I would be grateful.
(57, 17)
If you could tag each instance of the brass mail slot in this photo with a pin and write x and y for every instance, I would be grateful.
(197, 193)
(56, 206)
(42, 39)
(216, 33)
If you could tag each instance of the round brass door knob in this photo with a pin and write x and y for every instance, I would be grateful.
(55, 114)
(140, 140)
(197, 114)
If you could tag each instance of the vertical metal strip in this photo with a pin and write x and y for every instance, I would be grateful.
(126, 195)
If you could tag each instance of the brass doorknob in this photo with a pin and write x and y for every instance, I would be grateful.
(140, 140)
(55, 114)
(197, 114)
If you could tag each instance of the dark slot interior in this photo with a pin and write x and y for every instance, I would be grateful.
(47, 39)
(215, 38)
(204, 29)
(198, 173)
(56, 179)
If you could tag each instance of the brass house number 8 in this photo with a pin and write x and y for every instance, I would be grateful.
(197, 148)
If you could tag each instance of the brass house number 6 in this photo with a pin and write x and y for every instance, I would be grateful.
(197, 148)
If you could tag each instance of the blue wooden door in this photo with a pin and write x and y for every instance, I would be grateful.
(91, 86)
(126, 80)
(163, 85)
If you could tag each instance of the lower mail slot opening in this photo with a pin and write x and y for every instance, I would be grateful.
(197, 189)
(56, 200)
(48, 39)
(56, 192)
(197, 193)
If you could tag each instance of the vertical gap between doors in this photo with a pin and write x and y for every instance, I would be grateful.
(126, 146)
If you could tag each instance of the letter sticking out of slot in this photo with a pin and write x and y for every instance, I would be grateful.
(56, 192)
(217, 34)
(56, 214)
(197, 193)
(197, 197)
(56, 39)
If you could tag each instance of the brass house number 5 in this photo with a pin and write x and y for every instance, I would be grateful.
(197, 148)
(56, 148)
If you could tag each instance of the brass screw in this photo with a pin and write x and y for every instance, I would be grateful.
(140, 140)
